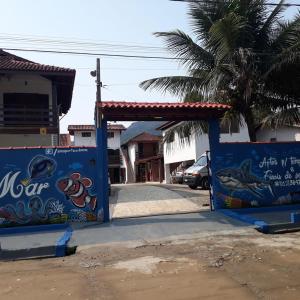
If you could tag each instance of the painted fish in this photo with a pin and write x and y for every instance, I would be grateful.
(242, 179)
(40, 167)
(75, 188)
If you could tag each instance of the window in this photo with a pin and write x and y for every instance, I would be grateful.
(273, 140)
(202, 161)
(26, 109)
(86, 134)
(110, 135)
(232, 127)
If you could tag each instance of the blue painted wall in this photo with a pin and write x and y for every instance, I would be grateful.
(48, 185)
(254, 174)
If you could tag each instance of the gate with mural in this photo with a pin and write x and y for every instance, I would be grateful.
(48, 185)
(246, 175)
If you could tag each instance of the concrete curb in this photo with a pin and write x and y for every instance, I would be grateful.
(57, 249)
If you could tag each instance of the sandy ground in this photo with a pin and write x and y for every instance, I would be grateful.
(247, 265)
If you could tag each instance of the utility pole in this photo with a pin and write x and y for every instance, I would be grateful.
(101, 152)
(96, 74)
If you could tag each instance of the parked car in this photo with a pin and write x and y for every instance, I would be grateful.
(197, 174)
(178, 177)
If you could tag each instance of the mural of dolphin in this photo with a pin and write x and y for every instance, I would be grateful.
(242, 179)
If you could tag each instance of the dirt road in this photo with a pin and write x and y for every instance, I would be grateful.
(241, 266)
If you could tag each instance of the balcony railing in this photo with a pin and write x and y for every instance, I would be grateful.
(28, 117)
(114, 157)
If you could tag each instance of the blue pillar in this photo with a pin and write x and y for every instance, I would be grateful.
(214, 142)
(102, 169)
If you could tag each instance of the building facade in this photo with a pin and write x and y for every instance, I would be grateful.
(180, 154)
(143, 158)
(32, 97)
(85, 135)
(281, 134)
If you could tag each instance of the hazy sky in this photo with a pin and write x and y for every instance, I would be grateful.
(130, 22)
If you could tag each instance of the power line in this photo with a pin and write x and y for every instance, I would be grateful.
(80, 40)
(216, 2)
(122, 55)
(78, 43)
(93, 54)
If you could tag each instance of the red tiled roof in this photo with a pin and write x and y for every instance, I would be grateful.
(159, 105)
(72, 128)
(64, 139)
(146, 137)
(171, 111)
(10, 62)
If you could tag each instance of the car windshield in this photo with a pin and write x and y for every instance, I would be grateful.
(202, 161)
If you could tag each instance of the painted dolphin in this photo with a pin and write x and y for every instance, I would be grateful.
(242, 179)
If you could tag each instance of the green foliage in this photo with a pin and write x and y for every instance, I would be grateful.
(242, 54)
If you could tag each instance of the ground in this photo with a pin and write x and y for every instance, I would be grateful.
(147, 199)
(199, 255)
(243, 264)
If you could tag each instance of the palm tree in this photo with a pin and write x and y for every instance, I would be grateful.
(241, 54)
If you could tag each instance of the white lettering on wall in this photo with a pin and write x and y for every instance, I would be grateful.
(8, 185)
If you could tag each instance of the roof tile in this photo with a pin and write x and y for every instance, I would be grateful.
(124, 104)
(10, 62)
(72, 128)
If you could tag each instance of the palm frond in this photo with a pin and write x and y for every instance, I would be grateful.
(225, 34)
(284, 117)
(269, 25)
(190, 53)
(176, 85)
(204, 14)
(183, 133)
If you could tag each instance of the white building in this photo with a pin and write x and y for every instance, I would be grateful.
(179, 155)
(85, 135)
(282, 134)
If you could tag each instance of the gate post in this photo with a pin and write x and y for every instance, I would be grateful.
(102, 168)
(214, 141)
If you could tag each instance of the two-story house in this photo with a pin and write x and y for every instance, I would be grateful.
(142, 152)
(32, 97)
(85, 135)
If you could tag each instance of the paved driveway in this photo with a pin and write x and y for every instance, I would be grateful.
(134, 200)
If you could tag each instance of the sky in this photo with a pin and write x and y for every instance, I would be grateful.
(117, 22)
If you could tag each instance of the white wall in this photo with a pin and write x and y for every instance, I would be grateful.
(132, 149)
(115, 142)
(84, 141)
(112, 143)
(176, 151)
(281, 134)
(198, 144)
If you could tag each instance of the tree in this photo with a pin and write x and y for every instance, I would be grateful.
(242, 54)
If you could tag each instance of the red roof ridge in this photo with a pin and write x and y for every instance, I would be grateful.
(135, 104)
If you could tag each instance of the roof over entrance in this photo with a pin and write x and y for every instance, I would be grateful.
(160, 111)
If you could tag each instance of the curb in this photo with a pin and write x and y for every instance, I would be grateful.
(58, 249)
